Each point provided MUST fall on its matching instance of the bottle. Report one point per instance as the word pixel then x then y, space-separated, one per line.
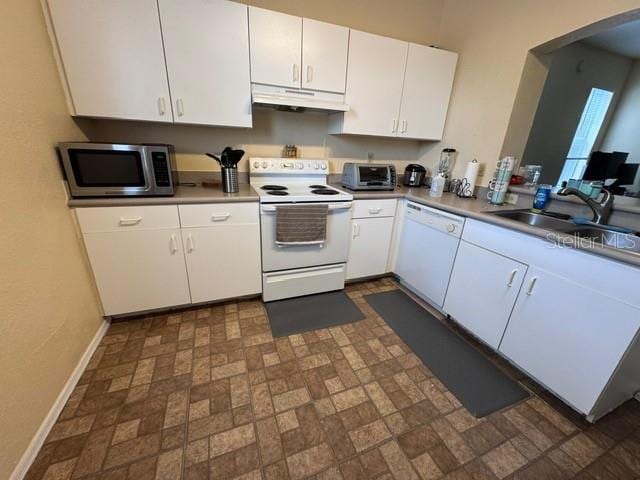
pixel 541 199
pixel 437 185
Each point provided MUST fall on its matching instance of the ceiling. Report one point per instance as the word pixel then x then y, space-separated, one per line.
pixel 623 39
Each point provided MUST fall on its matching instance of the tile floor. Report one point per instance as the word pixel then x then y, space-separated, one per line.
pixel 208 393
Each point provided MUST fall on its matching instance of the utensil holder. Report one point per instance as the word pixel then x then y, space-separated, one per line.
pixel 230 180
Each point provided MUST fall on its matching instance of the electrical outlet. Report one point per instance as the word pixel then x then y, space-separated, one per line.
pixel 511 198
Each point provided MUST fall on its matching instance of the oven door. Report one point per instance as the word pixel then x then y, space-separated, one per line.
pixel 375 176
pixel 105 169
pixel 334 250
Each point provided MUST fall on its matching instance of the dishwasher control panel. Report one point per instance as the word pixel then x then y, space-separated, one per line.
pixel 436 219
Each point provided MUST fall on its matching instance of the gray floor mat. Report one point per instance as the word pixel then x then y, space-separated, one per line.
pixel 297 315
pixel 476 382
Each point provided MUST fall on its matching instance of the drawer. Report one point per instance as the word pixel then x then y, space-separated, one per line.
pixel 112 219
pixel 206 215
pixel 374 208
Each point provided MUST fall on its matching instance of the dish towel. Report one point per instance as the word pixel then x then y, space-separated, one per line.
pixel 301 224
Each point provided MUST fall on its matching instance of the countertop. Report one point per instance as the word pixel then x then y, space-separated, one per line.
pixel 476 208
pixel 480 209
pixel 184 194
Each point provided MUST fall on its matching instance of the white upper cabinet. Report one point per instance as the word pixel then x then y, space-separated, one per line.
pixel 207 50
pixel 425 96
pixel 374 85
pixel 276 47
pixel 324 56
pixel 113 58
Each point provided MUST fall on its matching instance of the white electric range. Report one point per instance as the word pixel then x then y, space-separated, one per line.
pixel 296 270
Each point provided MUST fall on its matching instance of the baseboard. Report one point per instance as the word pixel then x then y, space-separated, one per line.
pixel 38 440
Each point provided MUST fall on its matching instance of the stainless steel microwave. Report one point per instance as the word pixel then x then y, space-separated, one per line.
pixel 118 170
pixel 368 176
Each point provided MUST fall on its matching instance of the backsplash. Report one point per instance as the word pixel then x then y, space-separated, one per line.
pixel 271 131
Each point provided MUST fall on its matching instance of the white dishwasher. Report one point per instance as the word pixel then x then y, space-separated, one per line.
pixel 427 250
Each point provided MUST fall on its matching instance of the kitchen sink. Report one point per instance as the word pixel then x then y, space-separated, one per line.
pixel 602 236
pixel 548 220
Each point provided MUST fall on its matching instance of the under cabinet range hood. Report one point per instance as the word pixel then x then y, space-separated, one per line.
pixel 297 99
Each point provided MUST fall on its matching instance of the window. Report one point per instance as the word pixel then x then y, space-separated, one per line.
pixel 588 128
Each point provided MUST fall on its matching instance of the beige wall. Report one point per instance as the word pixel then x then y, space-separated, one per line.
pixel 49 310
pixel 493 38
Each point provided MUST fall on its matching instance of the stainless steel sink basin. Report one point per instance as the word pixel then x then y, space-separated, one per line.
pixel 601 236
pixel 548 221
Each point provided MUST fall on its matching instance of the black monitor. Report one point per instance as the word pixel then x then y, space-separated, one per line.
pixel 627 173
pixel 603 165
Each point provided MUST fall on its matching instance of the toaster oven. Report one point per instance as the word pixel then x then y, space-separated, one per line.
pixel 368 176
pixel 118 170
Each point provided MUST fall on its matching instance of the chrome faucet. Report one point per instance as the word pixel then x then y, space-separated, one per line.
pixel 601 210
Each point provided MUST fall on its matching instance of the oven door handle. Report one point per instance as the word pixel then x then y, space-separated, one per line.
pixel 332 206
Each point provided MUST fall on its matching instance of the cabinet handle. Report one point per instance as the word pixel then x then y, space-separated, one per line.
pixel 173 245
pixel 512 277
pixel 125 222
pixel 309 73
pixel 394 125
pixel 190 244
pixel 375 211
pixel 355 230
pixel 405 124
pixel 220 217
pixel 180 107
pixel 295 72
pixel 162 108
pixel 532 284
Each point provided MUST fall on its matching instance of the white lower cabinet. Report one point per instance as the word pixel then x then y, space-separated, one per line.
pixel 371 233
pixel 369 250
pixel 223 261
pixel 152 257
pixel 138 270
pixel 569 337
pixel 482 291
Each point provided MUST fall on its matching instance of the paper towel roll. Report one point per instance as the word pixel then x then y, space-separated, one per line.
pixel 471 175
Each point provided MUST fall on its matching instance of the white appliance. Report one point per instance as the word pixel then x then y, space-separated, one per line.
pixel 296 270
pixel 297 99
pixel 427 250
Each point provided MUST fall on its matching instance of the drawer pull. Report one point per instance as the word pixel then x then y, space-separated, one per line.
pixel 512 278
pixel 126 222
pixel 375 211
pixel 532 284
pixel 220 217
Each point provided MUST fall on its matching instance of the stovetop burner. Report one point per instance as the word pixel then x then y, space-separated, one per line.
pixel 273 187
pixel 324 191
pixel 277 192
pixel 318 187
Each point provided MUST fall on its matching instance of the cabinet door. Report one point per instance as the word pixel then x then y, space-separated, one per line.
pixel 482 291
pixel 223 261
pixel 374 84
pixel 207 49
pixel 568 337
pixel 138 270
pixel 113 58
pixel 369 250
pixel 324 56
pixel 276 47
pixel 427 87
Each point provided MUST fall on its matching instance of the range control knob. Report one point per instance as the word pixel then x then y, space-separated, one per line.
pixel 316 165
pixel 299 165
pixel 265 164
pixel 324 165
pixel 256 164
pixel 451 228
